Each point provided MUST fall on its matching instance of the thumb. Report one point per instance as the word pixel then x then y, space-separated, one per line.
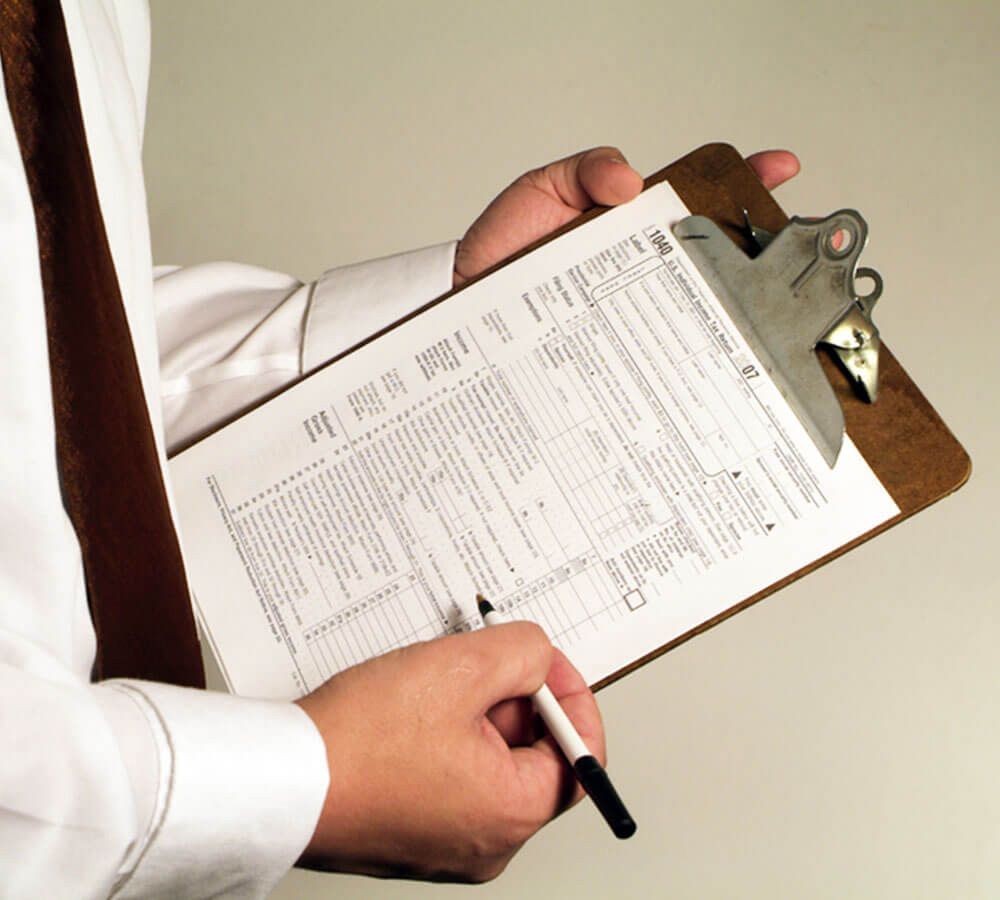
pixel 600 175
pixel 511 660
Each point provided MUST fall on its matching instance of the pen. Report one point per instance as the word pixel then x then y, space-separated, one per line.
pixel 589 772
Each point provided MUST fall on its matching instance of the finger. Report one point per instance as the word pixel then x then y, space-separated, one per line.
pixel 502 662
pixel 516 721
pixel 520 725
pixel 547 782
pixel 577 699
pixel 774 167
pixel 600 175
pixel 564 678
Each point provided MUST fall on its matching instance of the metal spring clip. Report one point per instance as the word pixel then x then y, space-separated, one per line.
pixel 798 292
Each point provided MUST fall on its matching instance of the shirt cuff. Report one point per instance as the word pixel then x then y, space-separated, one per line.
pixel 238 788
pixel 351 303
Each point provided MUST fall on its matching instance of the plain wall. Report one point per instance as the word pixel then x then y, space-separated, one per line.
pixel 840 739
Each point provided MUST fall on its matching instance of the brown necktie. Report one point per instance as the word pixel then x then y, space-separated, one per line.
pixel 110 476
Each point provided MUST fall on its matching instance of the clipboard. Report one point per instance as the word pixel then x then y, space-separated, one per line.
pixel 901 436
pixel 923 462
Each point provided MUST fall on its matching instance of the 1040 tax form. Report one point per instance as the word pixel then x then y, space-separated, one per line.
pixel 583 437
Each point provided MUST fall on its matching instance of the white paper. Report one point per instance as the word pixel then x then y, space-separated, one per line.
pixel 583 437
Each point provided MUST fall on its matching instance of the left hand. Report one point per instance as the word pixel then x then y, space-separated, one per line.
pixel 542 200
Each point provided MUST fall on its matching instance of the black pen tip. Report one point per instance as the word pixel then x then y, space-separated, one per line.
pixel 484 605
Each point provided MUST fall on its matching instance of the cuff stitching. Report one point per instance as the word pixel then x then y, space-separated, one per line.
pixel 165 787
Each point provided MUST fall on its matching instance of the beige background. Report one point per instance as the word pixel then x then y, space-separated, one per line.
pixel 842 738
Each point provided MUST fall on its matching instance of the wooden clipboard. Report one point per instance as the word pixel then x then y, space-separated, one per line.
pixel 901 436
pixel 903 439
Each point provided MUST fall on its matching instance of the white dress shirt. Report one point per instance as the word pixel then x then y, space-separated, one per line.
pixel 129 787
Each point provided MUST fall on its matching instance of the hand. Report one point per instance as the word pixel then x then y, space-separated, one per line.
pixel 436 769
pixel 542 200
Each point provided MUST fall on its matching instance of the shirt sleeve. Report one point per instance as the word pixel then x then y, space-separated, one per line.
pixel 228 789
pixel 231 335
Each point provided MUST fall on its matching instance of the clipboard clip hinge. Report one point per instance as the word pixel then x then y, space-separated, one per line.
pixel 799 291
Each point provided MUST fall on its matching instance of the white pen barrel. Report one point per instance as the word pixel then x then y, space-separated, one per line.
pixel 589 772
pixel 559 725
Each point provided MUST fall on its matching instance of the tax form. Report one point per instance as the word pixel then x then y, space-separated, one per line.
pixel 583 437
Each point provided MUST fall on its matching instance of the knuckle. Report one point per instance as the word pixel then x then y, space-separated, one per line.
pixel 492 870
pixel 517 823
pixel 535 651
pixel 537 179
pixel 534 640
pixel 468 663
pixel 488 854
pixel 519 831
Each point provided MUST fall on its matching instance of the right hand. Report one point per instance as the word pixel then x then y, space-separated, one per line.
pixel 436 769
